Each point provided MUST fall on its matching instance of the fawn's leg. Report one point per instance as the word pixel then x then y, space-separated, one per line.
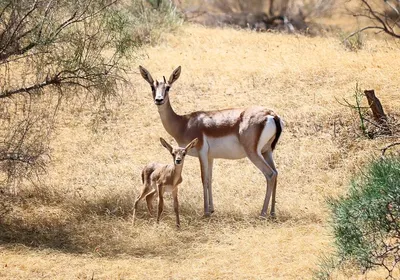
pixel 176 206
pixel 160 202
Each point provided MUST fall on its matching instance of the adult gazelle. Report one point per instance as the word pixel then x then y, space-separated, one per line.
pixel 230 133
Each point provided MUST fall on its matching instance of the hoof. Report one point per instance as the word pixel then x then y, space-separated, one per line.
pixel 273 216
pixel 263 217
pixel 207 215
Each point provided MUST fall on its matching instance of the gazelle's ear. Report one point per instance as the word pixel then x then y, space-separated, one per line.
pixel 174 76
pixel 166 145
pixel 146 75
pixel 191 144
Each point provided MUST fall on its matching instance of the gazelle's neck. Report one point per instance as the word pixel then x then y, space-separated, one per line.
pixel 177 173
pixel 172 122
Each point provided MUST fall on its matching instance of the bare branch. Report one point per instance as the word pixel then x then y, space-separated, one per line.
pixel 17 157
pixel 383 21
pixel 53 81
pixel 389 146
pixel 16 29
pixel 361 30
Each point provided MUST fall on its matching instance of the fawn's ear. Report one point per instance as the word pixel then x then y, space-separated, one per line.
pixel 191 144
pixel 175 75
pixel 146 75
pixel 166 145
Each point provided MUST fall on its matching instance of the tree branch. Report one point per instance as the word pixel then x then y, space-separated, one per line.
pixel 53 81
pixel 382 19
pixel 387 147
pixel 17 157
pixel 361 30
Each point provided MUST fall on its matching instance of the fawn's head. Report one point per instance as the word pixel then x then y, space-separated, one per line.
pixel 160 90
pixel 178 153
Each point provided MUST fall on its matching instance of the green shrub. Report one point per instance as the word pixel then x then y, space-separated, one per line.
pixel 353 43
pixel 148 23
pixel 366 222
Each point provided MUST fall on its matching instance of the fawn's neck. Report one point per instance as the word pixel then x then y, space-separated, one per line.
pixel 177 172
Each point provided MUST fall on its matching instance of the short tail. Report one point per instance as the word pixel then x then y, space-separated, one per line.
pixel 278 131
pixel 143 176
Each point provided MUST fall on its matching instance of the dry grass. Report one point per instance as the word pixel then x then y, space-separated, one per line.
pixel 79 225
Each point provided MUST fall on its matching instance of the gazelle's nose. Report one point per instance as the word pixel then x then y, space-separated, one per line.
pixel 178 161
pixel 159 101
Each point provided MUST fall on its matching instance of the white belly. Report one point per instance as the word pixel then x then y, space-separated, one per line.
pixel 227 147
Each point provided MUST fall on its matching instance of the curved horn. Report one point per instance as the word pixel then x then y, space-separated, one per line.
pixel 165 81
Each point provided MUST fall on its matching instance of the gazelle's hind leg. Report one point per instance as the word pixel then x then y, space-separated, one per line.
pixel 149 199
pixel 146 190
pixel 254 139
pixel 210 196
pixel 269 159
pixel 270 176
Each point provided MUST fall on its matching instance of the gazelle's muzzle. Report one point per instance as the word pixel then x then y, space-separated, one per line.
pixel 159 97
pixel 159 101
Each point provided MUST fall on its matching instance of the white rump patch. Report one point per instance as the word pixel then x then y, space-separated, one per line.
pixel 267 134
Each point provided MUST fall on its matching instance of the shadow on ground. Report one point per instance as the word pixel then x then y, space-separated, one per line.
pixel 95 228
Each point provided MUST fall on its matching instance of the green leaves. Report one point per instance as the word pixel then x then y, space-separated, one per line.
pixel 366 222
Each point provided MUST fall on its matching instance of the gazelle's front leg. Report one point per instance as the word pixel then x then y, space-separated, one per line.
pixel 205 178
pixel 160 202
pixel 176 206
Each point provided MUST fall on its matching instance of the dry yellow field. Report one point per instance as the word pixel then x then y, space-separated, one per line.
pixel 79 225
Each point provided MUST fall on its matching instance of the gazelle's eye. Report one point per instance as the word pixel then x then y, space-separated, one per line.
pixel 167 89
pixel 184 154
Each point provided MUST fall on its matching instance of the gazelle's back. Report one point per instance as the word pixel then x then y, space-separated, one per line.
pixel 148 170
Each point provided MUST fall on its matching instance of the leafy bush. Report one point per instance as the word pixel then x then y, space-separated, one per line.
pixel 54 50
pixel 354 43
pixel 366 222
pixel 149 23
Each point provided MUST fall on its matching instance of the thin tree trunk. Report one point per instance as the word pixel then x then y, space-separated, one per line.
pixel 376 106
pixel 377 109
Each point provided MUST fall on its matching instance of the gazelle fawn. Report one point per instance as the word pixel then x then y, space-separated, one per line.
pixel 160 178
pixel 232 133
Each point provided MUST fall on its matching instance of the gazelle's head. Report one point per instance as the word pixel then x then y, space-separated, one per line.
pixel 178 153
pixel 160 89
